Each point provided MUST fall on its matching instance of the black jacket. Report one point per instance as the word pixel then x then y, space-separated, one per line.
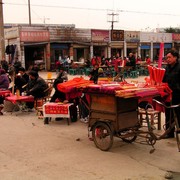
pixel 172 77
pixel 37 87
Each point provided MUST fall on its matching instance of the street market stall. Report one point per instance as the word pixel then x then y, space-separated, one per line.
pixel 114 112
pixel 114 107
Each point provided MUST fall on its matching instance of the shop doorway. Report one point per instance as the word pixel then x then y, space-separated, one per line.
pixel 34 56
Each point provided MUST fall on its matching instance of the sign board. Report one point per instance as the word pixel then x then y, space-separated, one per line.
pixel 34 36
pixel 176 37
pixel 132 36
pixel 11 33
pixel 155 37
pixel 117 35
pixel 100 35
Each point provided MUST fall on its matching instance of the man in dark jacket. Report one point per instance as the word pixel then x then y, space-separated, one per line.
pixel 36 85
pixel 23 73
pixel 94 74
pixel 172 77
pixel 132 61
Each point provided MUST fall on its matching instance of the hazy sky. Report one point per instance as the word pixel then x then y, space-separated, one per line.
pixel 132 14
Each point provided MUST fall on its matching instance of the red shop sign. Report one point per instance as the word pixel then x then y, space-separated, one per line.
pixel 34 36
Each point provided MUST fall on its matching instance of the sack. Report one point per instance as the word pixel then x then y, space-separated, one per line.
pixel 9 106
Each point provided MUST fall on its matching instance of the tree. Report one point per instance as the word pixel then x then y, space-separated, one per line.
pixel 172 30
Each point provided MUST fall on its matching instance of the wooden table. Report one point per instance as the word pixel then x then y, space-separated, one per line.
pixel 19 100
pixel 14 99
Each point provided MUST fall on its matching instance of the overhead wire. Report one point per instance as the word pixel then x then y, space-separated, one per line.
pixel 92 9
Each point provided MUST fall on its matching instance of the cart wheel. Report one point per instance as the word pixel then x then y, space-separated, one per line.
pixel 150 140
pixel 129 138
pixel 102 136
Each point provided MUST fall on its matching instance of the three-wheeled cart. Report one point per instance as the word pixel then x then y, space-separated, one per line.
pixel 112 116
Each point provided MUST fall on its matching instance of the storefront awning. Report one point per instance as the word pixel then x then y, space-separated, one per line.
pixel 35 44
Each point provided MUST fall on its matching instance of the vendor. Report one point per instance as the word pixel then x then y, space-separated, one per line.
pixel 62 77
pixel 94 74
pixel 172 77
pixel 36 87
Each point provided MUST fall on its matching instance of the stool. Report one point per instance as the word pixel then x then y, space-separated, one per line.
pixel 87 71
pixel 72 71
pixel 80 71
pixel 133 74
pixel 146 72
pixel 154 116
pixel 140 71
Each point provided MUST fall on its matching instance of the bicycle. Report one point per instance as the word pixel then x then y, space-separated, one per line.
pixel 151 137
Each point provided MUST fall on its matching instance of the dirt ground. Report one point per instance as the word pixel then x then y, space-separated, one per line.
pixel 31 150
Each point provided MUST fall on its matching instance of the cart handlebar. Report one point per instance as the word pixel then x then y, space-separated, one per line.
pixel 168 107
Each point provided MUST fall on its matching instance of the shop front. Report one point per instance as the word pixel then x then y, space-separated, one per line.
pixel 176 41
pixel 132 39
pixel 34 55
pixel 59 52
pixel 81 51
pixel 150 44
pixel 12 45
pixel 117 43
pixel 35 44
pixel 117 48
pixel 145 50
pixel 100 43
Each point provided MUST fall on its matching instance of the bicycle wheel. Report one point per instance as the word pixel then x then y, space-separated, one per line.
pixel 102 136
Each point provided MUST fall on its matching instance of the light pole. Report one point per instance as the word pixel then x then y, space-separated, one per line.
pixel 2 43
pixel 29 8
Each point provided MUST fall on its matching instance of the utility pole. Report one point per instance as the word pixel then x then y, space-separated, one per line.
pixel 29 8
pixel 113 19
pixel 2 43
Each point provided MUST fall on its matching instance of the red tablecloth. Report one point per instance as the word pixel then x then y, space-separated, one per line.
pixel 4 92
pixel 15 99
pixel 52 109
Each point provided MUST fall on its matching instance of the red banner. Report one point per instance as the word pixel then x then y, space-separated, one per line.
pixel 58 109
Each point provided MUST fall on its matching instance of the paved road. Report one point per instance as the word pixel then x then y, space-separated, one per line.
pixel 31 150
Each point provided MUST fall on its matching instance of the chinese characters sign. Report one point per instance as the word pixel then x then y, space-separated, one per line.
pixel 132 36
pixel 117 35
pixel 34 36
pixel 56 109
